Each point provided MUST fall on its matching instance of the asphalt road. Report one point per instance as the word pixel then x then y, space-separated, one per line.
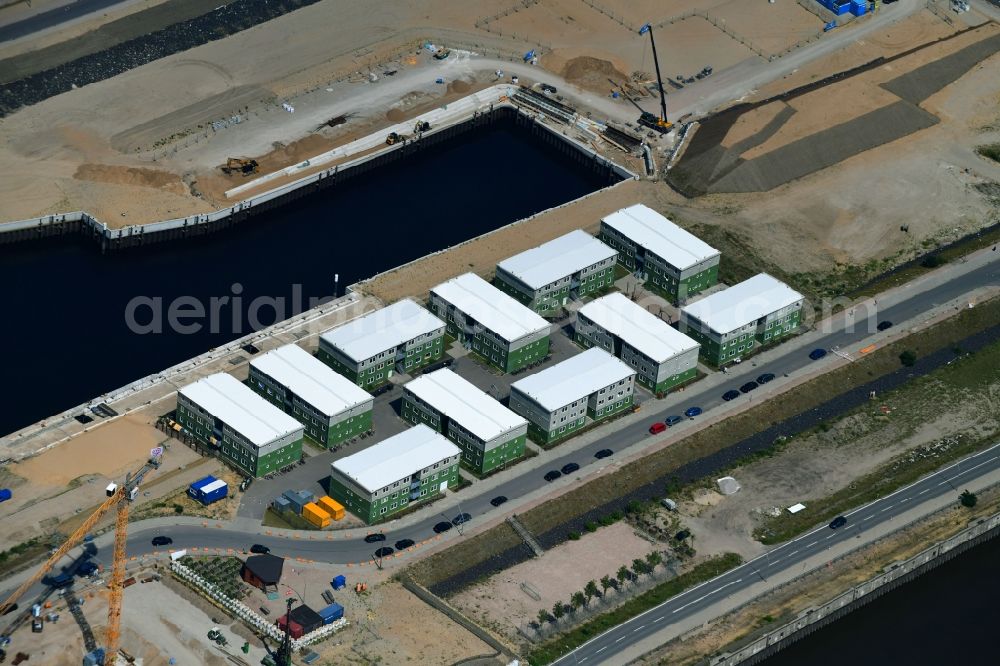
pixel 53 17
pixel 342 551
pixel 944 482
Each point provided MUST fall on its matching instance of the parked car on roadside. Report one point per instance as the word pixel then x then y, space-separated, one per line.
pixel 730 395
pixel 817 354
pixel 692 412
pixel 657 428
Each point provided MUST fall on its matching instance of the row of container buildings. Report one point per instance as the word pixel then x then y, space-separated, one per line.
pixel 291 394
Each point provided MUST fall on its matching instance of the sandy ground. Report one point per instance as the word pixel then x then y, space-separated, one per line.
pixel 921 28
pixel 482 254
pixel 110 451
pixel 58 488
pixel 823 108
pixel 772 29
pixel 752 122
pixel 500 604
pixel 77 151
pixel 840 215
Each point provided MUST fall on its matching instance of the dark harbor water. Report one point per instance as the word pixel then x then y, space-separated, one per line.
pixel 65 333
pixel 947 616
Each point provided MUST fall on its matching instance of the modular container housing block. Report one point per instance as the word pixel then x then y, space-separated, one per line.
pixel 662 356
pixel 558 400
pixel 489 434
pixel 252 434
pixel 491 323
pixel 386 478
pixel 734 323
pixel 547 277
pixel 402 337
pixel 329 406
pixel 667 257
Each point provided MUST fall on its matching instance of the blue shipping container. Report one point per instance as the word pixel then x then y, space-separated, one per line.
pixel 331 613
pixel 5 494
pixel 195 488
pixel 213 492
pixel 339 582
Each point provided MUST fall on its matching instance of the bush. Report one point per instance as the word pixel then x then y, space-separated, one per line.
pixel 178 508
pixel 574 536
pixel 908 358
pixel 635 506
pixel 931 261
pixel 591 526
pixel 968 499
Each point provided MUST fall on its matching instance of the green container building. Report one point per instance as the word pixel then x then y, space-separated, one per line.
pixel 489 434
pixel 412 467
pixel 489 322
pixel 671 260
pixel 329 406
pixel 251 434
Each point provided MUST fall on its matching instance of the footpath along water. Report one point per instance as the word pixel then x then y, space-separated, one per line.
pixel 65 338
pixel 946 616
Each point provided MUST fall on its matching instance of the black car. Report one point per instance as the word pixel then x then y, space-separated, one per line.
pixel 569 468
pixel 547 88
pixel 838 522
pixel 162 541
pixel 375 537
pixel 553 475
pixel 817 354
pixel 384 551
pixel 765 378
pixel 403 544
pixel 730 395
pixel 443 526
pixel 604 453
pixel 498 500
pixel 749 386
pixel 259 549
pixel 461 518
pixel 884 325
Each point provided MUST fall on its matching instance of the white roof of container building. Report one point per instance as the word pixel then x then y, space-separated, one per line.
pixel 213 486
pixel 638 327
pixel 574 378
pixel 462 402
pixel 556 259
pixel 743 303
pixel 396 458
pixel 380 330
pixel 226 398
pixel 311 379
pixel 491 307
pixel 648 229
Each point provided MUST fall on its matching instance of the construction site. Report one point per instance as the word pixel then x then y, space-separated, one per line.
pixel 787 136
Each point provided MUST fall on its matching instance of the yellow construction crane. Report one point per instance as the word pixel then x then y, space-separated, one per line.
pixel 119 498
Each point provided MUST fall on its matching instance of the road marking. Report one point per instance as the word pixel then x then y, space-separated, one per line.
pixel 810 545
pixel 620 639
pixel 662 617
pixel 708 594
pixel 868 517
pixel 792 553
pixel 885 509
pixel 638 629
pixel 924 491
pixel 903 499
pixel 602 649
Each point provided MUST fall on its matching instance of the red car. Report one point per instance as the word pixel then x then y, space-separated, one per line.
pixel 657 428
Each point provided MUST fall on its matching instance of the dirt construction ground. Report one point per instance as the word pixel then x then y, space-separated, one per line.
pixel 500 604
pixel 78 150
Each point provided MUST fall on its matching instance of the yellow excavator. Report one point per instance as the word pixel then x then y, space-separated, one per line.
pixel 240 165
